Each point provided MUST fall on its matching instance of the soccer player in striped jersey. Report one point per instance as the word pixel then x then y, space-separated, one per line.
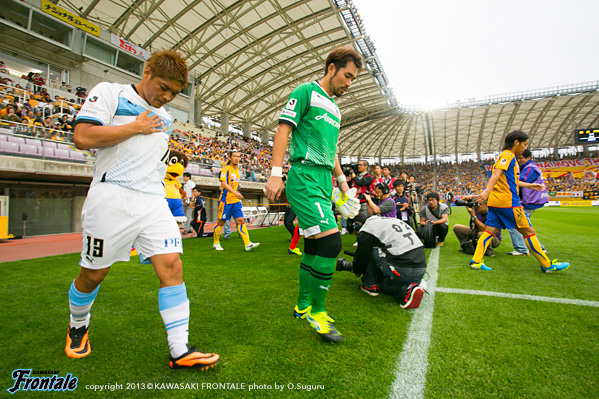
pixel 125 205
pixel 230 203
pixel 314 118
pixel 504 209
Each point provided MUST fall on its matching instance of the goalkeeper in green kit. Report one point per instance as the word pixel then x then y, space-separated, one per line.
pixel 314 118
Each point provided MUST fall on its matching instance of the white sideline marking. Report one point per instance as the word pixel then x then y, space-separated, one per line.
pixel 412 364
pixel 579 302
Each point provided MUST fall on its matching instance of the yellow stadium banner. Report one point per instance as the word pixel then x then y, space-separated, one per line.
pixel 585 168
pixel 70 18
pixel 576 203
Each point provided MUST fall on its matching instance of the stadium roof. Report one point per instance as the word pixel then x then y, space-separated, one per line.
pixel 249 54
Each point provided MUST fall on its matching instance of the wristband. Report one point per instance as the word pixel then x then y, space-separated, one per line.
pixel 341 179
pixel 276 171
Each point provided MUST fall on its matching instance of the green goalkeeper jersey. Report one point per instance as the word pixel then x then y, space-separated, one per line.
pixel 316 121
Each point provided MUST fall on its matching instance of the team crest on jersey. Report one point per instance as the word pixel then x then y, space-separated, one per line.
pixel 93 99
pixel 291 104
pixel 504 160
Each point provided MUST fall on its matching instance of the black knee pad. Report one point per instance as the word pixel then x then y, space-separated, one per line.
pixel 310 246
pixel 329 246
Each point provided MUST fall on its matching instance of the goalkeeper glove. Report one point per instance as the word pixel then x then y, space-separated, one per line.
pixel 349 206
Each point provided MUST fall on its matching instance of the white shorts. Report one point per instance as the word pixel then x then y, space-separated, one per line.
pixel 114 218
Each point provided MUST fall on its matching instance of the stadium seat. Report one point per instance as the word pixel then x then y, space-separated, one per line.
pixel 48 152
pixel 29 150
pixel 50 144
pixel 35 142
pixel 63 146
pixel 15 139
pixel 262 210
pixel 9 147
pixel 3 137
pixel 77 156
pixel 61 153
pixel 193 168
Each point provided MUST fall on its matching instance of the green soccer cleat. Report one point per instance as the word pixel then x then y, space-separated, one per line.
pixel 479 266
pixel 555 266
pixel 301 314
pixel 323 325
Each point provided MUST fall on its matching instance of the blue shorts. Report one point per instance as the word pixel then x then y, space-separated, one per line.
pixel 507 218
pixel 225 211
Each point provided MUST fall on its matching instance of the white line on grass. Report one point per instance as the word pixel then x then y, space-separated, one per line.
pixel 412 364
pixel 567 301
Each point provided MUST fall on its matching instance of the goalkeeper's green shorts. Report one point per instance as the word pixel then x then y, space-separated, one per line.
pixel 309 191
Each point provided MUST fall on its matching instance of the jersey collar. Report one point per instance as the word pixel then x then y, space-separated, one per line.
pixel 324 91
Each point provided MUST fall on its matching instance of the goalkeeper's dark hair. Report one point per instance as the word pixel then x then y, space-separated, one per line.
pixel 340 56
pixel 527 153
pixel 511 138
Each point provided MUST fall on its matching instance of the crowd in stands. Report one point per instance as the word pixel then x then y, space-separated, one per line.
pixel 28 107
pixel 210 148
pixel 570 183
pixel 463 178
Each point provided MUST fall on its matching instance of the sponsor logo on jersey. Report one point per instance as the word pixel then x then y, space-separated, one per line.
pixel 289 113
pixel 328 120
pixel 291 104
pixel 172 242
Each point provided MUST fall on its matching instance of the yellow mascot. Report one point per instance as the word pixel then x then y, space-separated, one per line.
pixel 177 162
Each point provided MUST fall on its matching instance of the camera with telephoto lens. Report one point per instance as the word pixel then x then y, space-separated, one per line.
pixel 467 203
pixel 348 170
pixel 414 187
pixel 344 265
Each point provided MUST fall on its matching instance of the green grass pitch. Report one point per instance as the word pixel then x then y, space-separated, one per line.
pixel 241 308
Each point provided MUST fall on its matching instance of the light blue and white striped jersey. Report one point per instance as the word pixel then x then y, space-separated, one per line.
pixel 138 163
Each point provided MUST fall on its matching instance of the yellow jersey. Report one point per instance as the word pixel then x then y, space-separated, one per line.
pixel 505 192
pixel 229 175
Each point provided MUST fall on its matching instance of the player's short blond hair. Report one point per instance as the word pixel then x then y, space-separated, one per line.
pixel 169 64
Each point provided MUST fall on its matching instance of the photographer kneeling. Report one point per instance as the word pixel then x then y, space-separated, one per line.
pixel 468 236
pixel 389 254
pixel 436 214
pixel 385 206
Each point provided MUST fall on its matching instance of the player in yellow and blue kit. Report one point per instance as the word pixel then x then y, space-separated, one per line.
pixel 230 203
pixel 505 211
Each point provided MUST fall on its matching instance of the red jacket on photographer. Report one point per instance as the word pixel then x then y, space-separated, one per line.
pixel 362 184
